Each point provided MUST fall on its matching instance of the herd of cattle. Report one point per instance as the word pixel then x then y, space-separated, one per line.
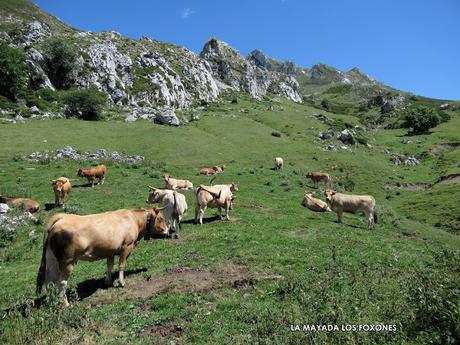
pixel 69 237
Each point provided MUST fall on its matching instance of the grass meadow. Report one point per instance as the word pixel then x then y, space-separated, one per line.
pixel 275 264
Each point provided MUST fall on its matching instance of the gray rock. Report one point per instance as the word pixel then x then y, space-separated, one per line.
pixel 167 116
pixel 194 117
pixel 34 110
pixel 131 117
pixel 444 106
pixel 4 208
pixel 347 137
pixel 326 135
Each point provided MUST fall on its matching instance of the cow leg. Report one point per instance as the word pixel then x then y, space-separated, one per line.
pixel 122 265
pixel 201 214
pixel 102 179
pixel 226 213
pixel 92 182
pixel 370 220
pixel 108 278
pixel 64 273
pixel 220 213
pixel 339 216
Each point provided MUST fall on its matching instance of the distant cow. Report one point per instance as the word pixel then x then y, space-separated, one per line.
pixel 92 173
pixel 217 196
pixel 174 204
pixel 208 171
pixel 219 168
pixel 172 183
pixel 340 203
pixel 320 177
pixel 315 204
pixel 27 204
pixel 69 238
pixel 62 188
pixel 279 163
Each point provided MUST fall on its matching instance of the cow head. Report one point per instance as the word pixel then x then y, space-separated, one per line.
pixel 158 223
pixel 80 172
pixel 308 175
pixel 329 193
pixel 166 177
pixel 233 187
pixel 154 195
pixel 3 199
pixel 222 167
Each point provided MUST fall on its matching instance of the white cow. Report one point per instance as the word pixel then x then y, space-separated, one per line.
pixel 315 204
pixel 340 203
pixel 218 196
pixel 174 203
pixel 279 163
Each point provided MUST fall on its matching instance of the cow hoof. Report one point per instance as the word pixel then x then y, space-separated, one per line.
pixel 121 285
pixel 176 236
pixel 108 283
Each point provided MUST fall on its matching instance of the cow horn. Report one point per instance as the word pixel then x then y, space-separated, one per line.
pixel 159 208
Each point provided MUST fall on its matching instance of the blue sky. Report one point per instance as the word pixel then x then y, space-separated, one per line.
pixel 412 45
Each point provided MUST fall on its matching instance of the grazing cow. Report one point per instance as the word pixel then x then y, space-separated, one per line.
pixel 174 203
pixel 62 188
pixel 69 238
pixel 315 204
pixel 319 177
pixel 217 196
pixel 172 183
pixel 279 163
pixel 92 173
pixel 27 204
pixel 340 203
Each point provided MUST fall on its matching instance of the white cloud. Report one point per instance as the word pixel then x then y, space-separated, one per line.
pixel 186 13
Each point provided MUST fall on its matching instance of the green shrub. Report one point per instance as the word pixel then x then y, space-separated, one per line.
pixel 420 119
pixel 13 71
pixel 325 103
pixel 443 116
pixel 60 62
pixel 85 104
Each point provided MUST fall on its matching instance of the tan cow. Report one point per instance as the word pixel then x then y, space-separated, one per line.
pixel 279 163
pixel 174 203
pixel 93 173
pixel 320 177
pixel 27 204
pixel 69 238
pixel 208 171
pixel 62 188
pixel 172 183
pixel 315 204
pixel 340 203
pixel 217 196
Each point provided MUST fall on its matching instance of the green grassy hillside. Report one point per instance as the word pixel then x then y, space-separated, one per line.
pixel 273 265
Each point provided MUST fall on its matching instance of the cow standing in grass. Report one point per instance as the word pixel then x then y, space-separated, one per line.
pixel 174 204
pixel 62 188
pixel 217 196
pixel 69 238
pixel 317 177
pixel 93 173
pixel 340 203
pixel 279 163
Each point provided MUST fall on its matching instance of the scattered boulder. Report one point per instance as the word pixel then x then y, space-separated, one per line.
pixel 444 106
pixel 167 116
pixel 34 110
pixel 131 117
pixel 4 208
pixel 194 117
pixel 347 137
pixel 403 160
pixel 326 135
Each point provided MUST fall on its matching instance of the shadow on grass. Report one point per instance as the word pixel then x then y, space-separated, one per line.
pixel 212 219
pixel 88 287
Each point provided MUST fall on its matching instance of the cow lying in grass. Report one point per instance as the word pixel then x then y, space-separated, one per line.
pixel 69 238
pixel 27 204
pixel 172 183
pixel 340 203
pixel 217 196
pixel 214 170
pixel 174 204
pixel 315 204
pixel 93 173
pixel 62 188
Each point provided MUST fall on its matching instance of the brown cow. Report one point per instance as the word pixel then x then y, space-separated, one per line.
pixel 214 170
pixel 320 177
pixel 173 183
pixel 340 203
pixel 92 173
pixel 27 204
pixel 69 238
pixel 62 188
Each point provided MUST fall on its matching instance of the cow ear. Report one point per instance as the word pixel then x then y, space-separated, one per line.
pixel 334 192
pixel 157 209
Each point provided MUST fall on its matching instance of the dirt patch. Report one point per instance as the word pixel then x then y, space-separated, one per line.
pixel 443 147
pixel 407 186
pixel 178 279
pixel 194 256
pixel 251 205
pixel 410 235
pixel 449 179
pixel 299 233
pixel 243 283
pixel 162 331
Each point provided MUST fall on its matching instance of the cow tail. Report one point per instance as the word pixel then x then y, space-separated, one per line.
pixel 375 217
pixel 42 269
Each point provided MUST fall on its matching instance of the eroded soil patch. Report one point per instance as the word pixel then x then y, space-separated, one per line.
pixel 407 186
pixel 449 179
pixel 162 331
pixel 443 147
pixel 178 279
